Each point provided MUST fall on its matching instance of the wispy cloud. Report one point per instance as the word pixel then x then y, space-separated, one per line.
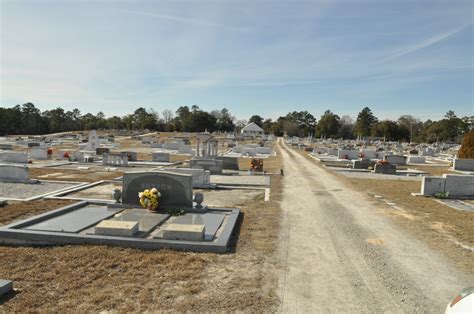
pixel 187 20
pixel 425 43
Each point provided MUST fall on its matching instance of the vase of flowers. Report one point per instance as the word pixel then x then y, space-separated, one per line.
pixel 149 199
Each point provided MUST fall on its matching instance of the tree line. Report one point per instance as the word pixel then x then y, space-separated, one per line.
pixel 27 119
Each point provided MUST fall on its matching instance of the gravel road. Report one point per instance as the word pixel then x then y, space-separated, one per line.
pixel 340 254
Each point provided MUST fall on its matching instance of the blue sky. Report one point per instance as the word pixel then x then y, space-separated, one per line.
pixel 252 57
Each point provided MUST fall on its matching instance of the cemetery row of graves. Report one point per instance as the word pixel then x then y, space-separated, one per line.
pixel 150 192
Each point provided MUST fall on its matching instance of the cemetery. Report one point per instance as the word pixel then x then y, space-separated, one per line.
pixel 204 193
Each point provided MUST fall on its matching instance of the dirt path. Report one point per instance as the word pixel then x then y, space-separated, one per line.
pixel 340 254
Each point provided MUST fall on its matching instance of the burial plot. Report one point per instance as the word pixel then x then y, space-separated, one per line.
pixel 13 157
pixel 397 160
pixel 15 173
pixel 463 164
pixel 160 156
pixel 176 189
pixel 214 166
pixel 229 163
pixel 201 177
pixel 40 153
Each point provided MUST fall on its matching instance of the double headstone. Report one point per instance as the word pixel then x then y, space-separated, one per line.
pixel 176 189
pixel 214 166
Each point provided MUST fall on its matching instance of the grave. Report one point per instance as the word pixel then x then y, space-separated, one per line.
pixel 116 160
pixel 214 166
pixel 13 157
pixel 463 164
pixel 416 159
pixel 347 154
pixel 228 163
pixel 456 185
pixel 160 156
pixel 201 177
pixel 398 160
pixel 6 286
pixel 40 153
pixel 132 156
pixel 15 174
pixel 361 164
pixel 102 150
pixel 93 142
pixel 176 189
pixel 385 169
pixel 6 146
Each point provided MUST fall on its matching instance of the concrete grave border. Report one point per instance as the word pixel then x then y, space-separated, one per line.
pixel 62 195
pixel 13 234
pixel 45 195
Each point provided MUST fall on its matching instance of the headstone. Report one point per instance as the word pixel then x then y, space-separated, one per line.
pixel 102 150
pixel 201 177
pixel 93 142
pixel 361 164
pixel 14 173
pixel 6 286
pixel 132 156
pixel 6 146
pixel 183 232
pixel 385 169
pixel 416 159
pixel 398 160
pixel 463 164
pixel 40 153
pixel 214 166
pixel 160 157
pixel 118 160
pixel 176 189
pixel 229 163
pixel 13 157
pixel 432 185
pixel 459 185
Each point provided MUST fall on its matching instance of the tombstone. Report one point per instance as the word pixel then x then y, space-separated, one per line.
pixel 14 173
pixel 13 157
pixel 368 153
pixel 33 144
pixel 265 150
pixel 93 141
pixel 385 169
pixel 156 145
pixel 463 164
pixel 398 160
pixel 118 160
pixel 160 156
pixel 361 164
pixel 432 185
pixel 201 138
pixel 176 189
pixel 6 146
pixel 132 156
pixel 229 163
pixel 347 154
pixel 78 156
pixel 459 185
pixel 102 150
pixel 416 159
pixel 214 166
pixel 40 153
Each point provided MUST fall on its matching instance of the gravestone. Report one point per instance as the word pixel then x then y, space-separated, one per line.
pixel 214 166
pixel 132 156
pixel 13 157
pixel 160 157
pixel 385 169
pixel 361 164
pixel 176 189
pixel 229 163
pixel 463 164
pixel 398 160
pixel 93 142
pixel 201 177
pixel 114 160
pixel 14 173
pixel 6 146
pixel 102 150
pixel 40 153
pixel 6 286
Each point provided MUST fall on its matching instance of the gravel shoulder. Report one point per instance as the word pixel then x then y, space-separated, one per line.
pixel 340 254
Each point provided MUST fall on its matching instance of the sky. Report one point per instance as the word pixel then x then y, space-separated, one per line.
pixel 252 57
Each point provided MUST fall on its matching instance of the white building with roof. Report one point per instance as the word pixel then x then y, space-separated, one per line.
pixel 252 129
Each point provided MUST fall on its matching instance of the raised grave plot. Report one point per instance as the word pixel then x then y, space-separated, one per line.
pixel 31 191
pixel 256 180
pixel 97 191
pixel 75 224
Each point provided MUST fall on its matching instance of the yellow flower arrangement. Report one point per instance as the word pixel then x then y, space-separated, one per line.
pixel 149 199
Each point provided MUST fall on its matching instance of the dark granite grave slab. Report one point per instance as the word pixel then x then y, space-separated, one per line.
pixel 6 286
pixel 75 221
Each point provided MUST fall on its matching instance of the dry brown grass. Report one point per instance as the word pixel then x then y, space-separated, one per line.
pixel 20 210
pixel 74 175
pixel 435 224
pixel 98 278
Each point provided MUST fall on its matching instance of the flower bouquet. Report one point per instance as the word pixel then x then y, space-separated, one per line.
pixel 149 199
